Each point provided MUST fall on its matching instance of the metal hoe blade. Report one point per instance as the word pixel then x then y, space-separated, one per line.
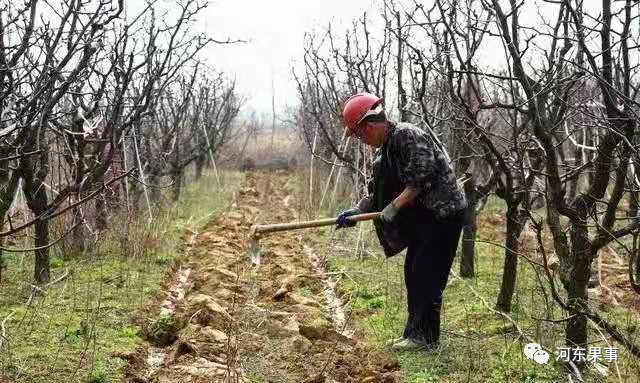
pixel 254 248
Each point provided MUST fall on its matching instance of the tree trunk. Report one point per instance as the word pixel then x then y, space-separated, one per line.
pixel 199 163
pixel 633 214
pixel 102 212
pixel 153 180
pixel 37 201
pixel 34 171
pixel 576 330
pixel 467 260
pixel 41 269
pixel 2 261
pixel 510 269
pixel 633 205
pixel 577 283
pixel 78 234
pixel 637 264
pixel 176 187
pixel 8 185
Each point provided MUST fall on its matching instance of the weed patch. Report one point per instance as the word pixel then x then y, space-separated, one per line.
pixel 162 331
pixel 74 329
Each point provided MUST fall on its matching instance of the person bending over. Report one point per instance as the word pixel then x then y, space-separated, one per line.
pixel 422 210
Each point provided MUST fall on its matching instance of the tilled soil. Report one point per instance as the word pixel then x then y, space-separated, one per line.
pixel 279 321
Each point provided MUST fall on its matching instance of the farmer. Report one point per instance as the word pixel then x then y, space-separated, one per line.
pixel 421 208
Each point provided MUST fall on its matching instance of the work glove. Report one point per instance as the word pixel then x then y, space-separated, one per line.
pixel 388 214
pixel 342 220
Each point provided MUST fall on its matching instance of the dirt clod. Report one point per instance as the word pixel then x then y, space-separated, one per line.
pixel 316 379
pixel 280 294
pixel 323 331
pixel 213 335
pixel 206 311
pixel 392 364
pixel 301 344
pixel 293 299
pixel 182 348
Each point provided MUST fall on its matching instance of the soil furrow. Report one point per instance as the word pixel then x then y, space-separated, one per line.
pixel 280 321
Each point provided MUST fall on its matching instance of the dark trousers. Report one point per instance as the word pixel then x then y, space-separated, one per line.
pixel 432 247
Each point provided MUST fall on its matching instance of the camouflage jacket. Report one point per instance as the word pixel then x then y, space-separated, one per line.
pixel 409 157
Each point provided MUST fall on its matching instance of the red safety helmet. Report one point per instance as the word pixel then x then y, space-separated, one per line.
pixel 357 108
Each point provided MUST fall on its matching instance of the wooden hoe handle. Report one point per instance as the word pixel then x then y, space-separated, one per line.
pixel 258 229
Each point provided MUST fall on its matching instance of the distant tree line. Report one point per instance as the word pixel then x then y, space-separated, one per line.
pixel 98 112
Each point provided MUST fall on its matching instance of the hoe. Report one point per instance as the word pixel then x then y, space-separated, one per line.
pixel 258 230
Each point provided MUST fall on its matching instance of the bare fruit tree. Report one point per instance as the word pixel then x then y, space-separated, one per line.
pixel 553 93
pixel 75 91
pixel 550 128
pixel 334 68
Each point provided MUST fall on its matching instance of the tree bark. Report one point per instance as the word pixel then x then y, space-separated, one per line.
pixel 637 267
pixel 176 187
pixel 199 164
pixel 467 259
pixel 41 269
pixel 77 235
pixel 153 180
pixel 510 269
pixel 2 260
pixel 37 201
pixel 102 211
pixel 578 281
pixel 34 172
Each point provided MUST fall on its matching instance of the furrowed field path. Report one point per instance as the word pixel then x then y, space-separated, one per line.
pixel 279 321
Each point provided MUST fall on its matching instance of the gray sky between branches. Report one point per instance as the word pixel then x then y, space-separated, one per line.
pixel 275 30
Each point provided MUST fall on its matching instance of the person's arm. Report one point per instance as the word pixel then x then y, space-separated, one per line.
pixel 407 196
pixel 415 163
pixel 389 213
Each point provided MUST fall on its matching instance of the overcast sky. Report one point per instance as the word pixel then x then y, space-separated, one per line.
pixel 275 31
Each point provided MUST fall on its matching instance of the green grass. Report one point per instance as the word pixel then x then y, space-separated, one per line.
pixel 74 330
pixel 161 330
pixel 478 345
